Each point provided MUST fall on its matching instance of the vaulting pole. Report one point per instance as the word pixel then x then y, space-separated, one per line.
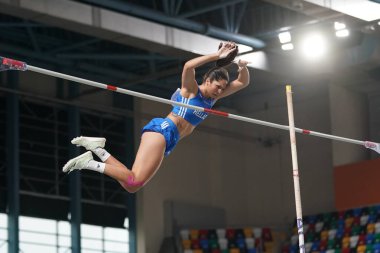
pixel 296 178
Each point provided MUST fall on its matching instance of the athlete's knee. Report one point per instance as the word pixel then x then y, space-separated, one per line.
pixel 132 189
pixel 132 185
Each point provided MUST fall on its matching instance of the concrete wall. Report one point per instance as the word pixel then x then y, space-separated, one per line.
pixel 349 117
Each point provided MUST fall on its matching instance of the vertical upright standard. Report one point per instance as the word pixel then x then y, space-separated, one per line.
pixel 296 180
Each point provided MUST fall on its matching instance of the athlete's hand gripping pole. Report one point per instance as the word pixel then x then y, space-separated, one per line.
pixel 10 64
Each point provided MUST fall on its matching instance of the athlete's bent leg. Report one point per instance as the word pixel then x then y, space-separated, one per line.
pixel 148 159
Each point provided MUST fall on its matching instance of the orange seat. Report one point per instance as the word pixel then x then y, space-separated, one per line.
pixel 194 234
pixel 186 244
pixel 370 228
pixel 346 242
pixel 348 222
pixel 361 249
pixel 324 235
pixel 268 247
pixel 248 232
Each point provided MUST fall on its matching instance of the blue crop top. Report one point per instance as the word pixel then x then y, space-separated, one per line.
pixel 194 117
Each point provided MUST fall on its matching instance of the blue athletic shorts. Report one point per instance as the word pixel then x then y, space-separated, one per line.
pixel 167 128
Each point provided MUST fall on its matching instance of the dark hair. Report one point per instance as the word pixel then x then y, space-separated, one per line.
pixel 217 74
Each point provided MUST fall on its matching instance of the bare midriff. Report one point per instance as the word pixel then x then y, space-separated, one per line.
pixel 183 126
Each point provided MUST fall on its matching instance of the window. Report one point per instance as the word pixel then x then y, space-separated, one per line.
pixel 46 236
pixel 3 233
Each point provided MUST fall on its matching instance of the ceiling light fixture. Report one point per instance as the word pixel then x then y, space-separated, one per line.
pixel 284 37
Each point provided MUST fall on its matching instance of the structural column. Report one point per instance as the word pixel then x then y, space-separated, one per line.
pixel 374 120
pixel 13 163
pixel 131 199
pixel 349 118
pixel 75 176
pixel 126 102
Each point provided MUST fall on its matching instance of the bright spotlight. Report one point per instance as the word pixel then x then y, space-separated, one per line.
pixel 284 37
pixel 287 46
pixel 314 46
pixel 339 26
pixel 342 33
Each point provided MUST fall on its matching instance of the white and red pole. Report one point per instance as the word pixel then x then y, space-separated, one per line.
pixel 10 64
pixel 296 180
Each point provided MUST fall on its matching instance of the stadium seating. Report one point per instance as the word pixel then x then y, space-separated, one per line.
pixel 350 231
pixel 246 240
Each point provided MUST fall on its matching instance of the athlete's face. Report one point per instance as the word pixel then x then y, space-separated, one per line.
pixel 216 87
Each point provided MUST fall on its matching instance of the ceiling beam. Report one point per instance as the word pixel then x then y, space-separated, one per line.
pixel 74 46
pixel 187 25
pixel 114 56
pixel 209 8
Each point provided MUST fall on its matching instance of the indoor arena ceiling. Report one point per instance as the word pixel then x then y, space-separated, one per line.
pixel 142 69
